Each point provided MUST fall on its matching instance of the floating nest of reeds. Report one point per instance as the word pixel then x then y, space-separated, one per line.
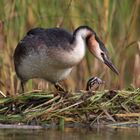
pixel 47 108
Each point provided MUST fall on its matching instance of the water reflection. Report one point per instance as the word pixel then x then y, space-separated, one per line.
pixel 70 134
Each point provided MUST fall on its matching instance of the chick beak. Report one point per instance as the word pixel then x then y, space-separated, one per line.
pixel 108 62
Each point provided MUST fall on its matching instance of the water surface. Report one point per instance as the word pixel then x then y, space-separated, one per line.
pixel 71 134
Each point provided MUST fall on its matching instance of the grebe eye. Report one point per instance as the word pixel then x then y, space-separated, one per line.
pixel 102 54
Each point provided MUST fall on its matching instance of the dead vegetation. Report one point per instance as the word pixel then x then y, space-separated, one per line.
pixel 100 107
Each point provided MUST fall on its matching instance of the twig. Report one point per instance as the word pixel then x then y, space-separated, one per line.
pixel 2 94
pixel 109 116
pixel 128 115
pixel 46 103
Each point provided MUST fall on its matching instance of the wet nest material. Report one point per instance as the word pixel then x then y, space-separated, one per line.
pixel 91 108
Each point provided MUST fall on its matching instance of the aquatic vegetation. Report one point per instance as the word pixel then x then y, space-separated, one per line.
pixel 100 107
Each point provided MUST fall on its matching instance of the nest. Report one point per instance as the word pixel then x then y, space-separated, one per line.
pixel 47 108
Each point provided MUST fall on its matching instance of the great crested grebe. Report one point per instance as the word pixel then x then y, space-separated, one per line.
pixel 51 53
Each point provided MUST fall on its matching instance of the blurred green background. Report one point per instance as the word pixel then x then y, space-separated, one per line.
pixel 117 22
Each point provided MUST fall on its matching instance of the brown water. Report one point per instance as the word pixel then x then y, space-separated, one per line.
pixel 71 134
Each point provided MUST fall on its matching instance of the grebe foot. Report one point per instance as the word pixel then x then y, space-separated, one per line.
pixel 21 88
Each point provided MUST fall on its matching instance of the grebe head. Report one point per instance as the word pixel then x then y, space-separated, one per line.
pixel 98 49
pixel 95 45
